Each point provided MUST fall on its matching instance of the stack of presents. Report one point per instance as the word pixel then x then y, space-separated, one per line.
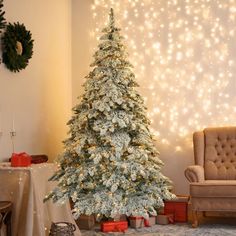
pixel 174 211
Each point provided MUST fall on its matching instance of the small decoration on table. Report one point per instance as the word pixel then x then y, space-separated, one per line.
pixel 114 226
pixel 20 159
pixel 13 134
pixel 62 229
pixel 17 47
pixel 38 159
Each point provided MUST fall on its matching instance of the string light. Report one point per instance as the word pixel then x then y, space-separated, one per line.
pixel 183 58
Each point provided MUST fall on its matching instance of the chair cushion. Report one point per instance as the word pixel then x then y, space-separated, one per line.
pixel 220 153
pixel 213 188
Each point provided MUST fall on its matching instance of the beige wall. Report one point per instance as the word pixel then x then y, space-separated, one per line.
pixel 82 45
pixel 38 97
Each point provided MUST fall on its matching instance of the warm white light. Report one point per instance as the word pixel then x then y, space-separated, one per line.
pixel 184 60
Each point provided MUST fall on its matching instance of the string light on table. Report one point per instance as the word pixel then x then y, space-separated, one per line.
pixel 184 57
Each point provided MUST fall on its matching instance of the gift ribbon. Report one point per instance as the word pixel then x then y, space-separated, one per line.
pixel 146 223
pixel 171 219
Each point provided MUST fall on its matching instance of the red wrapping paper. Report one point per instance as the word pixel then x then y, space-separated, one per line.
pixel 20 159
pixel 114 226
pixel 178 209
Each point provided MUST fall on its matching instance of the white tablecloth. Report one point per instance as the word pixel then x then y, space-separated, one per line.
pixel 26 187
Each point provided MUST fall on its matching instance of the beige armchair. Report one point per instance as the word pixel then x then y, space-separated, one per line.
pixel 213 177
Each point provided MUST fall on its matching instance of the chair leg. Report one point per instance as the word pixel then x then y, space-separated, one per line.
pixel 204 214
pixel 1 222
pixel 195 219
pixel 8 223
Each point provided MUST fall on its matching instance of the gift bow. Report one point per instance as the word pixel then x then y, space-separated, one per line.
pixel 21 154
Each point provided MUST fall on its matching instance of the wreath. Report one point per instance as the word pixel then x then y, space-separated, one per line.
pixel 2 19
pixel 17 47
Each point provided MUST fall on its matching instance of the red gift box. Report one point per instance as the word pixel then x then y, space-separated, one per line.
pixel 20 159
pixel 178 207
pixel 114 226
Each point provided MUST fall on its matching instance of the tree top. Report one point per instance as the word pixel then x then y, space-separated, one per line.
pixel 111 17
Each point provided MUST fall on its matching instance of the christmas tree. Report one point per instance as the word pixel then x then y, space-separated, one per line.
pixel 2 19
pixel 110 164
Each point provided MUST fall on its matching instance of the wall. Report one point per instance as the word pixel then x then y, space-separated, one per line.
pixel 183 54
pixel 81 45
pixel 39 97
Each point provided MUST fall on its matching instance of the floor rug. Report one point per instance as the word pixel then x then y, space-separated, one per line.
pixel 173 230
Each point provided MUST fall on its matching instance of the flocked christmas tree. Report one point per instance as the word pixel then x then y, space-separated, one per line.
pixel 110 164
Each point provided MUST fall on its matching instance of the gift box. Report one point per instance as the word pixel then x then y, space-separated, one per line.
pixel 86 222
pixel 178 207
pixel 20 159
pixel 150 222
pixel 165 219
pixel 136 222
pixel 114 226
pixel 37 159
pixel 139 221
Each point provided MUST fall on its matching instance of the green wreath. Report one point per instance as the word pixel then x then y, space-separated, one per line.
pixel 2 19
pixel 17 47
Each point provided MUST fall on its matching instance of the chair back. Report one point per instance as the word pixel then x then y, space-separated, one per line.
pixel 215 150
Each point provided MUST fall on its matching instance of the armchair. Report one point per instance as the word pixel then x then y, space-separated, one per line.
pixel 213 177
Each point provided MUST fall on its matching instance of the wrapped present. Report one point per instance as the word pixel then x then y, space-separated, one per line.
pixel 165 219
pixel 178 207
pixel 114 226
pixel 37 159
pixel 20 159
pixel 136 221
pixel 139 221
pixel 86 222
pixel 150 222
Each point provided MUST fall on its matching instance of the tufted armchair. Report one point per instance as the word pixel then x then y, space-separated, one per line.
pixel 213 177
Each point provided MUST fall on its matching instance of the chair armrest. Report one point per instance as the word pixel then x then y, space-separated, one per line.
pixel 195 173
